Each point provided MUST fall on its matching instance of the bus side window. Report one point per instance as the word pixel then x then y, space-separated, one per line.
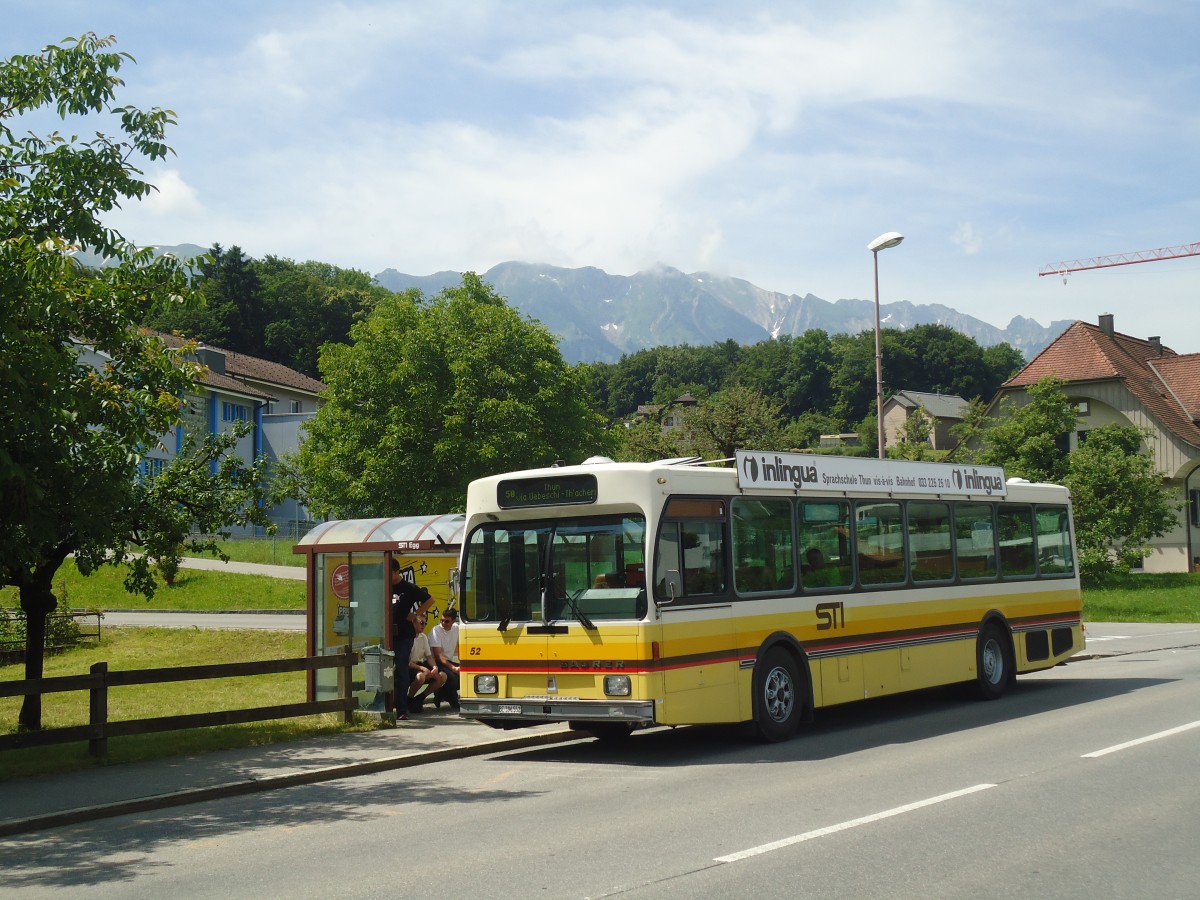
pixel 691 551
pixel 703 557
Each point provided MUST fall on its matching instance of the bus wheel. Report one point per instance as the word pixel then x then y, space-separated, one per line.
pixel 993 663
pixel 776 697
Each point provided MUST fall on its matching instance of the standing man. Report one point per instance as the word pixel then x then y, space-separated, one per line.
pixel 444 642
pixel 409 604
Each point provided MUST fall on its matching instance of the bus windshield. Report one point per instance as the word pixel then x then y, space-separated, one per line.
pixel 591 568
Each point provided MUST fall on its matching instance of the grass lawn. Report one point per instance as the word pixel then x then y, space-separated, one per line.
pixel 274 551
pixel 194 589
pixel 1173 597
pixel 149 648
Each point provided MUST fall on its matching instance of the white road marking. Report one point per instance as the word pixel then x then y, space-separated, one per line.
pixel 853 823
pixel 1142 740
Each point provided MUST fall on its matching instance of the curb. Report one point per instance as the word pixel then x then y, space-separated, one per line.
pixel 275 782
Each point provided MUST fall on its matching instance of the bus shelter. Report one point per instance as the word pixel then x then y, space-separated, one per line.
pixel 348 589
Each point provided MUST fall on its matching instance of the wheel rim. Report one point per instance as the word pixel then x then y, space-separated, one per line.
pixel 779 694
pixel 992 659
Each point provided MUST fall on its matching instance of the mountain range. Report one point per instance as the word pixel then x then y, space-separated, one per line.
pixel 600 317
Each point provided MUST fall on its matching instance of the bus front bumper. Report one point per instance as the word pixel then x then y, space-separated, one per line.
pixel 555 709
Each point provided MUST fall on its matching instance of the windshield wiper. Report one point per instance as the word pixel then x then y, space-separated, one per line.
pixel 583 620
pixel 571 601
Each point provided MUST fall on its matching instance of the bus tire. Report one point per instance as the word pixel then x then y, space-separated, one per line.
pixel 777 696
pixel 994 667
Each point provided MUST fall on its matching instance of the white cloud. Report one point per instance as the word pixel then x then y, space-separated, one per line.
pixel 173 197
pixel 966 238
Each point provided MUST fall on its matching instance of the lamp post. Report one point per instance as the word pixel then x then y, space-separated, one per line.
pixel 883 242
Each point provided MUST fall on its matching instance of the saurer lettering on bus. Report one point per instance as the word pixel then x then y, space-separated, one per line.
pixel 593 664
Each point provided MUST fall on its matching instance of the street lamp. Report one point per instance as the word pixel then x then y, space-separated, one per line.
pixel 883 242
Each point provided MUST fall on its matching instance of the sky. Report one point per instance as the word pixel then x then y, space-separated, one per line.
pixel 765 141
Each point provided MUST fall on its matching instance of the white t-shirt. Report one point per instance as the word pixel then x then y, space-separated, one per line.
pixel 420 651
pixel 447 639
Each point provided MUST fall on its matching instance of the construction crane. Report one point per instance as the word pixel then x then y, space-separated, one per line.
pixel 1066 267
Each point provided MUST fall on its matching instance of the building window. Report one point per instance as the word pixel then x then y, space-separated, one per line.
pixel 234 412
pixel 151 468
pixel 297 406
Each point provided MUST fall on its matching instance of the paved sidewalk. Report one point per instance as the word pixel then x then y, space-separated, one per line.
pixel 295 573
pixel 49 801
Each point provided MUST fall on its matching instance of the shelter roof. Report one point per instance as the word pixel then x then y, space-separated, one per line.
pixel 419 532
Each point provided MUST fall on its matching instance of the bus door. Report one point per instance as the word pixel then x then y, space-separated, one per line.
pixel 699 655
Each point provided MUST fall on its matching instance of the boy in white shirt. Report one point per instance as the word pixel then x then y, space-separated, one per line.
pixel 444 642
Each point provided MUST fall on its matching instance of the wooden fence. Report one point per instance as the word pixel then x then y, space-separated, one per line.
pixel 99 729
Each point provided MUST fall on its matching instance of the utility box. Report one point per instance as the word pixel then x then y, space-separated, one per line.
pixel 379 669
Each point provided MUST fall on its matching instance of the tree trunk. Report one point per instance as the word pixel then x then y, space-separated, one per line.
pixel 38 601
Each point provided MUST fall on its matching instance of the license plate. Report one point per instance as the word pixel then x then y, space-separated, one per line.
pixel 508 708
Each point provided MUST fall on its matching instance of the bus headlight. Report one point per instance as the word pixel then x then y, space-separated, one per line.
pixel 486 684
pixel 617 685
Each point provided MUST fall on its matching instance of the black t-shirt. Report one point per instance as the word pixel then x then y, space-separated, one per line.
pixel 406 598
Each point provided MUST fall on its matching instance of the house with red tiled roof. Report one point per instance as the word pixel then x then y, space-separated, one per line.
pixel 1115 378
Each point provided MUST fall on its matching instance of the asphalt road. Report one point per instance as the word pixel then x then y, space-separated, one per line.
pixel 1080 783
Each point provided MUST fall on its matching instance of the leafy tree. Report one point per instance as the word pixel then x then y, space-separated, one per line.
pixel 309 305
pixel 1003 361
pixel 86 391
pixel 804 432
pixel 736 418
pixel 233 294
pixel 968 433
pixel 631 383
pixel 934 359
pixel 204 491
pixel 645 441
pixel 684 369
pixel 1119 499
pixel 852 380
pixel 431 394
pixel 914 437
pixel 796 371
pixel 1027 438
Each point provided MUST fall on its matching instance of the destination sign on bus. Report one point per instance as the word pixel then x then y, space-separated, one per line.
pixel 850 474
pixel 565 490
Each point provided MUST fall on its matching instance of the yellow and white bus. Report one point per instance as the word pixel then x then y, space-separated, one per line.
pixel 616 596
